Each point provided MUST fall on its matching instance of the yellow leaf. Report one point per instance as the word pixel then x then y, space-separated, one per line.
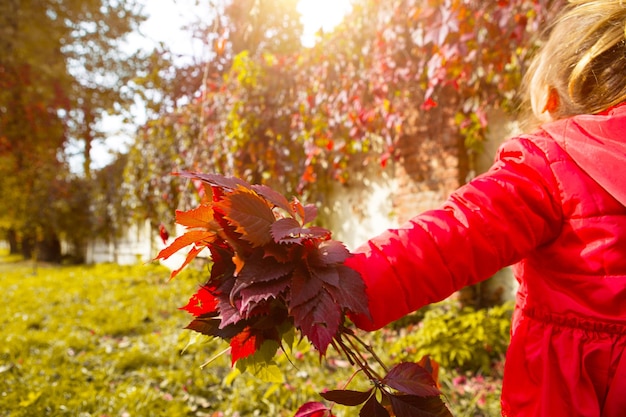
pixel 32 397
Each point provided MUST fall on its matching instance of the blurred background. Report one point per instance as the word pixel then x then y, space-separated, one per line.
pixel 372 110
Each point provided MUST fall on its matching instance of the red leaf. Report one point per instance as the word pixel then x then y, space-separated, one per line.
pixel 260 268
pixel 327 253
pixel 410 378
pixel 206 325
pixel 223 265
pixel 384 158
pixel 310 213
pixel 443 21
pixel 238 262
pixel 316 232
pixel 229 314
pixel 282 233
pixel 414 406
pixel 202 302
pixel 256 277
pixel 309 174
pixel 347 397
pixel 298 208
pixel 313 409
pixel 428 104
pixel 329 276
pixel 244 344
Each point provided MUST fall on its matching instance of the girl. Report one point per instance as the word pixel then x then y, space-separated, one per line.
pixel 554 206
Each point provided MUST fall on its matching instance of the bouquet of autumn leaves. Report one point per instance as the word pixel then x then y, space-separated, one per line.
pixel 272 272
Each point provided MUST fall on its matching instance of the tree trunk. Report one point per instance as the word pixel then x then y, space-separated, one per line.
pixel 49 249
pixel 14 245
pixel 28 245
pixel 89 119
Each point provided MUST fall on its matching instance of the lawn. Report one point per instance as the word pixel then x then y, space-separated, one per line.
pixel 94 341
pixel 109 340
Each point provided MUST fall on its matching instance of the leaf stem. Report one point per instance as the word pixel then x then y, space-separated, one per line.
pixel 369 349
pixel 354 355
pixel 215 357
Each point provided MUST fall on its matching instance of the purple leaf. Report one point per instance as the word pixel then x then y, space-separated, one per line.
pixel 260 292
pixel 273 197
pixel 350 291
pixel 286 230
pixel 304 286
pixel 347 397
pixel 216 180
pixel 310 213
pixel 414 406
pixel 257 269
pixel 318 319
pixel 330 276
pixel 411 378
pixel 373 408
pixel 333 252
pixel 209 325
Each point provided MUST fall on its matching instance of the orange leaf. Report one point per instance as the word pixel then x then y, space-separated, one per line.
pixel 196 236
pixel 201 216
pixel 251 215
pixel 239 263
pixel 432 367
pixel 190 257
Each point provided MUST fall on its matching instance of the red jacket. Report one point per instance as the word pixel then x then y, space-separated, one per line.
pixel 554 206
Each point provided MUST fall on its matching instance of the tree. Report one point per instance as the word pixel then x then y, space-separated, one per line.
pixel 260 26
pixel 297 119
pixel 61 69
pixel 194 100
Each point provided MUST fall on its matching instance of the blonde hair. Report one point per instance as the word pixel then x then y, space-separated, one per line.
pixel 583 60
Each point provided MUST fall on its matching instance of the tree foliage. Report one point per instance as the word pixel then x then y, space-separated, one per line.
pixel 300 120
pixel 61 69
pixel 185 130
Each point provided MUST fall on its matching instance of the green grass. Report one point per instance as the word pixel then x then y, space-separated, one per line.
pixel 95 341
pixel 109 341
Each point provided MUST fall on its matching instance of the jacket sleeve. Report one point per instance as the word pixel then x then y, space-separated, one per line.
pixel 487 224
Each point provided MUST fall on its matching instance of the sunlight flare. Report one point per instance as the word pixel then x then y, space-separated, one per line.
pixel 324 14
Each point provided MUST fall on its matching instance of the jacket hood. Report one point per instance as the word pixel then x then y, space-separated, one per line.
pixel 597 144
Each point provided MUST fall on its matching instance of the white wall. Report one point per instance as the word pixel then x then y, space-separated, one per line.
pixel 363 210
pixel 136 246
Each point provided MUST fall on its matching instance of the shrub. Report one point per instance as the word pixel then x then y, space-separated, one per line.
pixel 458 337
